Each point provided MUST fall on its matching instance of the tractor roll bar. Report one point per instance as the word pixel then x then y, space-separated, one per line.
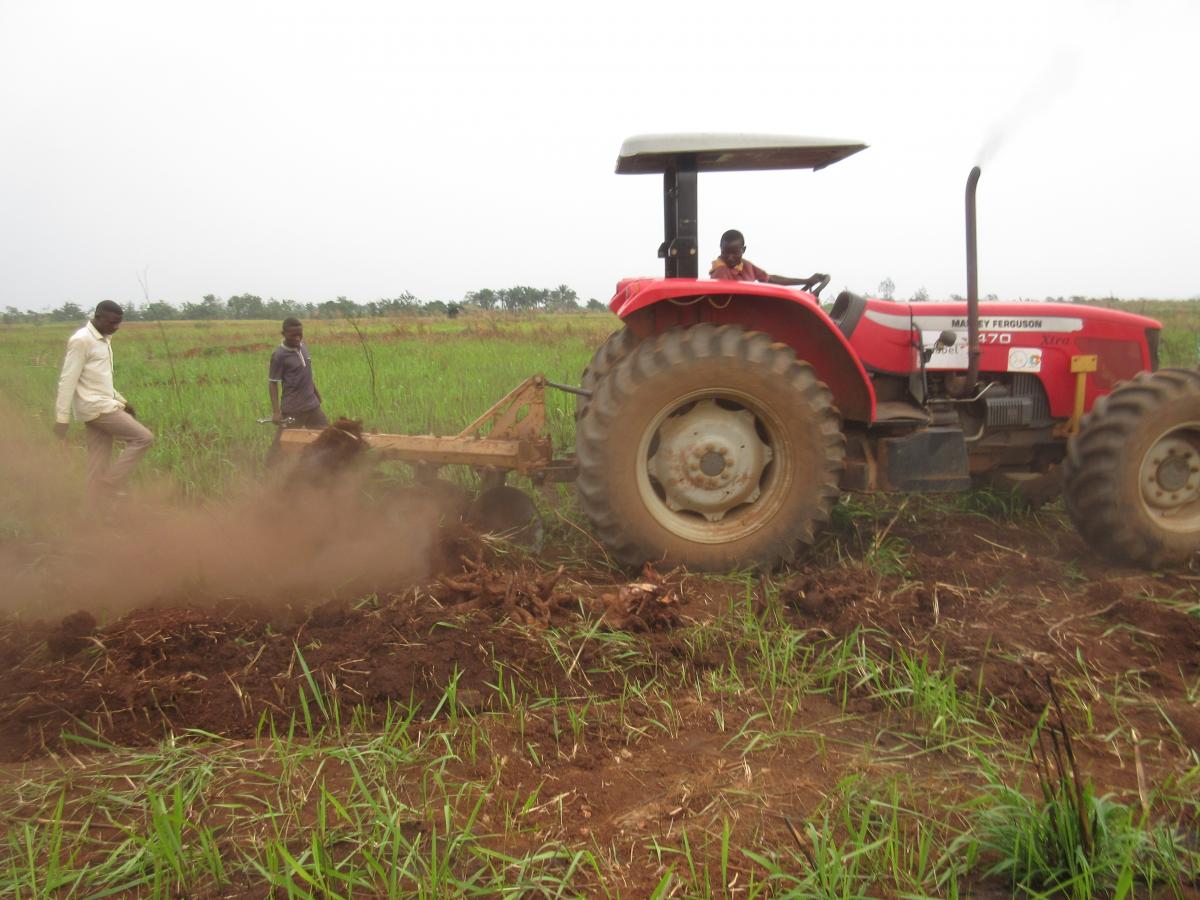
pixel 680 244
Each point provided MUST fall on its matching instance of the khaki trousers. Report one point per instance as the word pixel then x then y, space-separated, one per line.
pixel 102 471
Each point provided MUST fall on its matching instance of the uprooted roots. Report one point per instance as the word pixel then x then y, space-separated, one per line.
pixel 651 604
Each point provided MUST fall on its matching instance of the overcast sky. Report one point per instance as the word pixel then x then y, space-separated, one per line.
pixel 309 150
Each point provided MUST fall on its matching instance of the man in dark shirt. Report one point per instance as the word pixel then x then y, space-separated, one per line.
pixel 290 373
pixel 730 266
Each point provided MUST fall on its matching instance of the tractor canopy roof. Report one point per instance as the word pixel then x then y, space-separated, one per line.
pixel 650 153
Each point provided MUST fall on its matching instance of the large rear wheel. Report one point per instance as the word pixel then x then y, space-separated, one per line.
pixel 1132 473
pixel 615 348
pixel 712 447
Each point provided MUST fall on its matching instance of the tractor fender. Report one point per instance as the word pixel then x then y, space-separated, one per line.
pixel 650 306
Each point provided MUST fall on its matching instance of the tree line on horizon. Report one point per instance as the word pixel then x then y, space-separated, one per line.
pixel 519 298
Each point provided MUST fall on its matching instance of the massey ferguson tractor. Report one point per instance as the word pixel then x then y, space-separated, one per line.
pixel 725 418
pixel 719 426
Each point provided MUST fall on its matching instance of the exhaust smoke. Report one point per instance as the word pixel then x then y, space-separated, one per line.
pixel 1055 80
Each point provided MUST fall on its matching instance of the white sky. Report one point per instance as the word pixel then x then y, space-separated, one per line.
pixel 307 150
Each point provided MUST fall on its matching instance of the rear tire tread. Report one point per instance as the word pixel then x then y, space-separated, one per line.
pixel 678 347
pixel 615 348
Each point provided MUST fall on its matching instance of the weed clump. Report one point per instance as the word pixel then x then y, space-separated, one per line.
pixel 1067 840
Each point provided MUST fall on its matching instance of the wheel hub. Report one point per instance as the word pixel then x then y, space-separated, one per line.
pixel 712 463
pixel 709 460
pixel 1170 473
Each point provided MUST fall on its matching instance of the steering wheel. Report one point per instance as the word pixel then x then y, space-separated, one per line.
pixel 819 285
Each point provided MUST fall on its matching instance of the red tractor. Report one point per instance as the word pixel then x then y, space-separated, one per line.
pixel 725 419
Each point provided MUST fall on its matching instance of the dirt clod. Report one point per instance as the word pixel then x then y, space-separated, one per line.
pixel 335 449
pixel 71 635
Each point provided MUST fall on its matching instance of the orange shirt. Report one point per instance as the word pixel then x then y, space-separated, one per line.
pixel 743 271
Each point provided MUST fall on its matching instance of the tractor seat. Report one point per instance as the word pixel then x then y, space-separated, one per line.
pixel 847 311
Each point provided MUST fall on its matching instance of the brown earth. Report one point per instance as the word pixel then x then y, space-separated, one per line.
pixel 1005 603
pixel 222 668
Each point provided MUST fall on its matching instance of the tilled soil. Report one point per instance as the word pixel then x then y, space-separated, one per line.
pixel 1012 602
pixel 1005 604
pixel 226 669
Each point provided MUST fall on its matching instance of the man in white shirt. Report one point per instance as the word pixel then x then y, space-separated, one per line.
pixel 85 389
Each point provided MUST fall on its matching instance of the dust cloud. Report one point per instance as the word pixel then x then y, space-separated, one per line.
pixel 280 542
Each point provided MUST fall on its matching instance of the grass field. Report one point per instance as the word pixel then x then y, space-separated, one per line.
pixel 201 385
pixel 875 722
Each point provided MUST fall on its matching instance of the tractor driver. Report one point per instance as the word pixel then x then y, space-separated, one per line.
pixel 730 266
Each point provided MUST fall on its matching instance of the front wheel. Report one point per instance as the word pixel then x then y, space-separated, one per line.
pixel 1132 473
pixel 711 447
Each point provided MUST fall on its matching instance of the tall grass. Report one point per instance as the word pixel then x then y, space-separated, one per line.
pixel 200 385
pixel 201 389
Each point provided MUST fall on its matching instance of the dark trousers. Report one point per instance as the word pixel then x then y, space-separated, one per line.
pixel 310 418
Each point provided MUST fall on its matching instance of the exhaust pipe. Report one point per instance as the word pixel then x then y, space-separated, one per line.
pixel 972 287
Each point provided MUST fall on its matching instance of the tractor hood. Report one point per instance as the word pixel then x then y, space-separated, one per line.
pixel 1037 339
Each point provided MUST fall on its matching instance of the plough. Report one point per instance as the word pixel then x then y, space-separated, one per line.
pixel 509 437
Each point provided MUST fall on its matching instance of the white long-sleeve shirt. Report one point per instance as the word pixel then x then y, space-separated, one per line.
pixel 85 386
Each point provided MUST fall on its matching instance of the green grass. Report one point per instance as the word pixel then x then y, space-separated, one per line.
pixel 1038 846
pixel 921 791
pixel 200 385
pixel 306 819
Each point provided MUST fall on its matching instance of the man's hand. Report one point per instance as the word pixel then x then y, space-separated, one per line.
pixel 277 418
pixel 60 430
pixel 129 409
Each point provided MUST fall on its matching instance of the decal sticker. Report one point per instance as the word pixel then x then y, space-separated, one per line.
pixel 945 357
pixel 1043 324
pixel 1024 359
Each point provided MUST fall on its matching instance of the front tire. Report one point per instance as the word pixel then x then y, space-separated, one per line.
pixel 711 447
pixel 1132 473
